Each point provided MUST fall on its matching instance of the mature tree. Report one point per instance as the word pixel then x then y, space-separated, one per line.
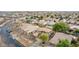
pixel 63 43
pixel 60 27
pixel 44 37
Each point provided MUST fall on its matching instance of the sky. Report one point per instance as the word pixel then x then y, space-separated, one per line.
pixel 39 5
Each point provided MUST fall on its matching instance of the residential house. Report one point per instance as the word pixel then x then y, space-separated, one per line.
pixel 28 27
pixel 73 27
pixel 55 39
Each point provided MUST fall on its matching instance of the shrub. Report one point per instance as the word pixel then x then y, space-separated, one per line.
pixel 78 39
pixel 51 16
pixel 63 43
pixel 73 41
pixel 41 17
pixel 44 37
pixel 60 27
pixel 76 32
